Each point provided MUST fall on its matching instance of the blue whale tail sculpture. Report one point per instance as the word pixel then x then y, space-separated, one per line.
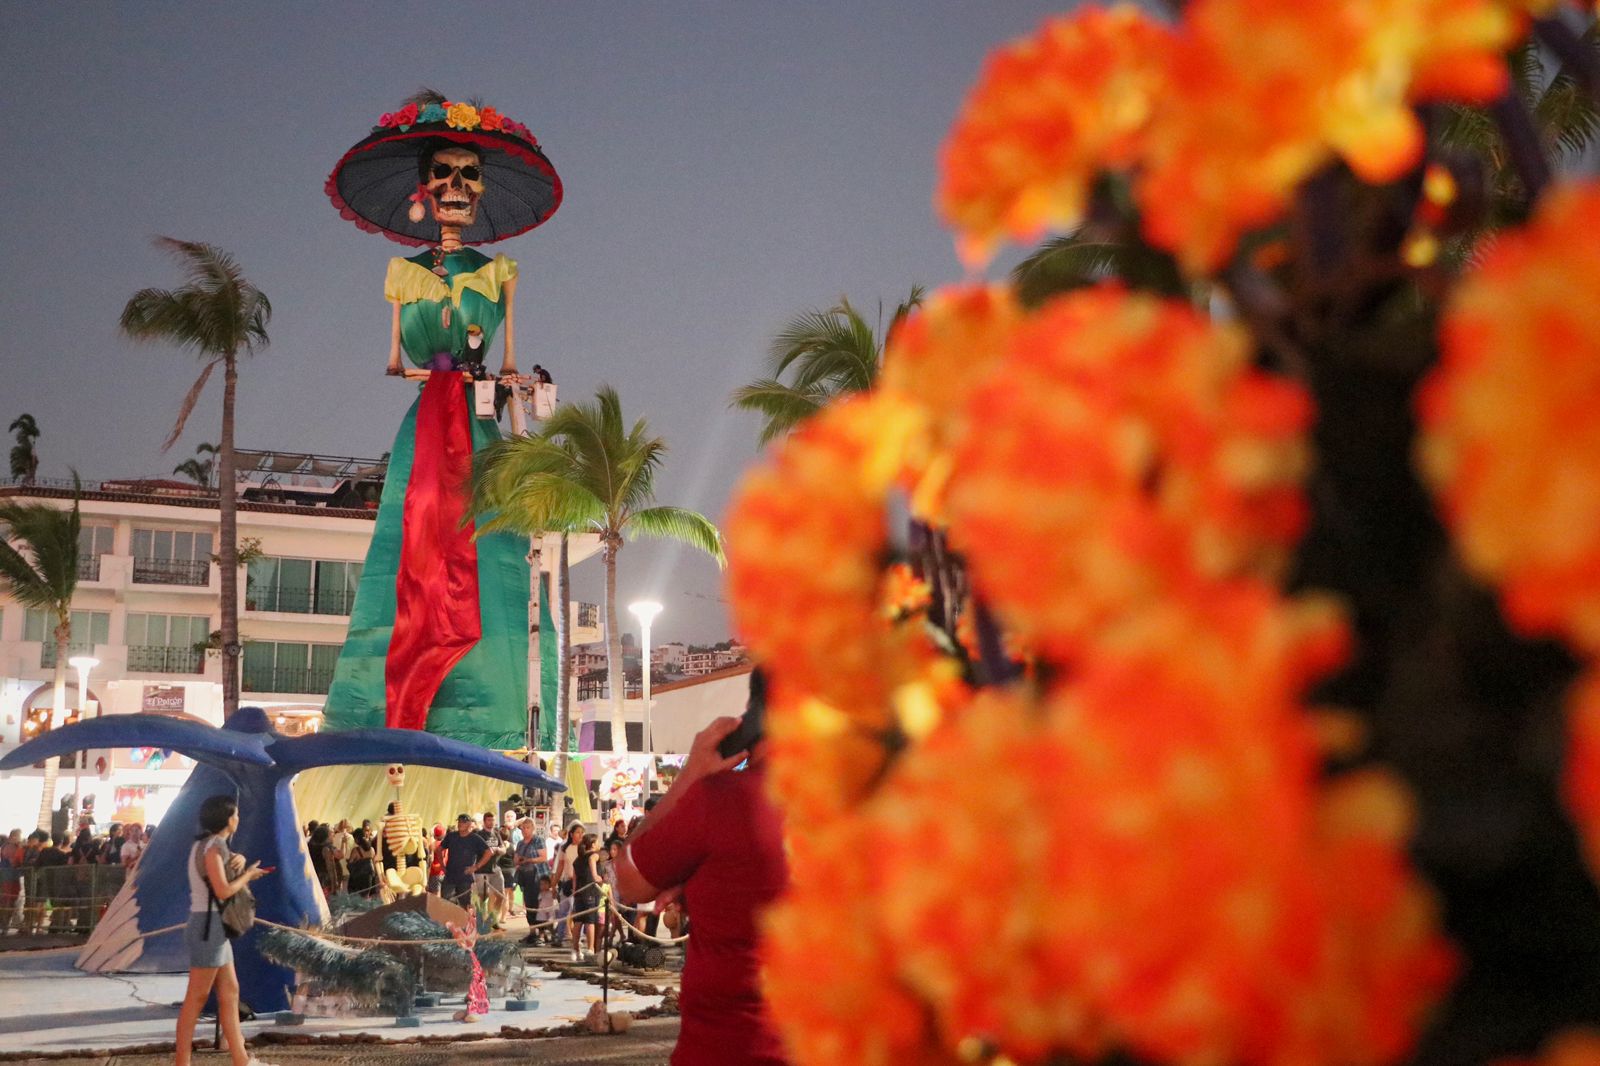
pixel 247 759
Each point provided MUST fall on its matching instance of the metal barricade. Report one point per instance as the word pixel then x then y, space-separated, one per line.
pixel 57 899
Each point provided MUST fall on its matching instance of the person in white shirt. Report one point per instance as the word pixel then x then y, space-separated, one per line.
pixel 132 845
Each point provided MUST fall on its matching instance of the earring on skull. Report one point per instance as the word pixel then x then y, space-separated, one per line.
pixel 418 209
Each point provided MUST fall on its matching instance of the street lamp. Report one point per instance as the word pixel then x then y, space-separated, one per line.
pixel 645 611
pixel 83 664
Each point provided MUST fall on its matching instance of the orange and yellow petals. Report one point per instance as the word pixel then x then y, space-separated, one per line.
pixel 827 975
pixel 953 339
pixel 1391 965
pixel 1509 444
pixel 1181 898
pixel 1262 94
pixel 1048 114
pixel 1124 451
pixel 1570 1047
pixel 904 594
pixel 806 535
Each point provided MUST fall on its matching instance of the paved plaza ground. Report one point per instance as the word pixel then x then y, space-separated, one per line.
pixel 57 1014
pixel 649 1042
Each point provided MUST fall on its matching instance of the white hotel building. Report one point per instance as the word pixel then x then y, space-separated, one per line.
pixel 148 601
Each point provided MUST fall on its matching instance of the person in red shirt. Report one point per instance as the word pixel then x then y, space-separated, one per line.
pixel 718 840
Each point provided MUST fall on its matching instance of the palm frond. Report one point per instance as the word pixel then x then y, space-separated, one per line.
pixel 43 572
pixel 781 407
pixel 524 485
pixel 24 426
pixel 679 524
pixel 22 459
pixel 1071 262
pixel 1567 116
pixel 191 398
pixel 218 312
pixel 1527 70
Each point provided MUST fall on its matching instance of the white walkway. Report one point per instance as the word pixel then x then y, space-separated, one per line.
pixel 47 1006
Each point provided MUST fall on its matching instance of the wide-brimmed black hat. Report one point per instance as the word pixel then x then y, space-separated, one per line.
pixel 375 183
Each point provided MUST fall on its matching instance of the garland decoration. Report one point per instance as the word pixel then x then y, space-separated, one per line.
pixel 1123 751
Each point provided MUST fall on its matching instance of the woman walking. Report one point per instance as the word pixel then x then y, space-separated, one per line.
pixel 210 954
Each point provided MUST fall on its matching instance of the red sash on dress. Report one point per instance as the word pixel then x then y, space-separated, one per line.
pixel 436 618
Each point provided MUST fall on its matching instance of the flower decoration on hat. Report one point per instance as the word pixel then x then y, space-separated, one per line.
pixel 374 183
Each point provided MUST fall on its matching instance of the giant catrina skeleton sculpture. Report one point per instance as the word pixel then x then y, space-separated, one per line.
pixel 440 619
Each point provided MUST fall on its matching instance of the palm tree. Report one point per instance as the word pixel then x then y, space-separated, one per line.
pixel 199 469
pixel 39 569
pixel 220 315
pixel 584 471
pixel 24 457
pixel 830 353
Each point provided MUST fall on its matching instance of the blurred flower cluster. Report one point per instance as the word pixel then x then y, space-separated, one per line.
pixel 1054 749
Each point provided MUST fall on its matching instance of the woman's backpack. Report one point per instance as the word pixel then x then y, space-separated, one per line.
pixel 238 912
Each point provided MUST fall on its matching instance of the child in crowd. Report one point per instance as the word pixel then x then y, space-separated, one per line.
pixel 545 909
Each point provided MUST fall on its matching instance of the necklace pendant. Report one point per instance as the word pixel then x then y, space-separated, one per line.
pixel 444 316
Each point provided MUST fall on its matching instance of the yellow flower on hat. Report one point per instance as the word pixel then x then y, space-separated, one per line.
pixel 462 116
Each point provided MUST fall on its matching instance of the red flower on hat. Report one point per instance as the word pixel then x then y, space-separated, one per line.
pixel 490 119
pixel 406 116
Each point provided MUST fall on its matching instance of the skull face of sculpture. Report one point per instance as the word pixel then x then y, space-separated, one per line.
pixel 455 185
pixel 396 774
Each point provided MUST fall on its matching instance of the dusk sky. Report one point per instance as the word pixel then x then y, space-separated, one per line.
pixel 726 165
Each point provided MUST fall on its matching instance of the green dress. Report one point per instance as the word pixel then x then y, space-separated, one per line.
pixel 484 698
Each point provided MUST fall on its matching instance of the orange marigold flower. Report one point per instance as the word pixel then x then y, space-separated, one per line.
pixel 1185 898
pixel 806 534
pixel 1048 113
pixel 827 977
pixel 1570 1047
pixel 904 593
pixel 1263 93
pixel 1124 450
pixel 1509 443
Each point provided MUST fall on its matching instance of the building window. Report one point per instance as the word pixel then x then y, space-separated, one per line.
pixel 301 586
pixel 600 738
pixel 271 666
pixel 168 643
pixel 93 542
pixel 88 629
pixel 171 557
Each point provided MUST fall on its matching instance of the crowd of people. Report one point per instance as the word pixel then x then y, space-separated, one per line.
pixel 500 863
pixel 45 881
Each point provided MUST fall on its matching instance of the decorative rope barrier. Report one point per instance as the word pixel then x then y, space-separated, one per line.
pixel 632 933
pixel 500 934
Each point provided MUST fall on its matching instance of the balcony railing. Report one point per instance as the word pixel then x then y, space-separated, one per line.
pixel 287 679
pixel 171 572
pixel 301 601
pixel 47 653
pixel 158 658
pixel 588 615
pixel 88 568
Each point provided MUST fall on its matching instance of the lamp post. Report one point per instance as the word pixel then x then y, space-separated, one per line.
pixel 83 664
pixel 645 611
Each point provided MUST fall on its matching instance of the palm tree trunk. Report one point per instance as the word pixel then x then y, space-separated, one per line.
pixel 614 678
pixel 228 550
pixel 564 665
pixel 52 765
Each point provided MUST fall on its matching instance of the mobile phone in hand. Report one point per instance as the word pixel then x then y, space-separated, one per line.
pixel 752 723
